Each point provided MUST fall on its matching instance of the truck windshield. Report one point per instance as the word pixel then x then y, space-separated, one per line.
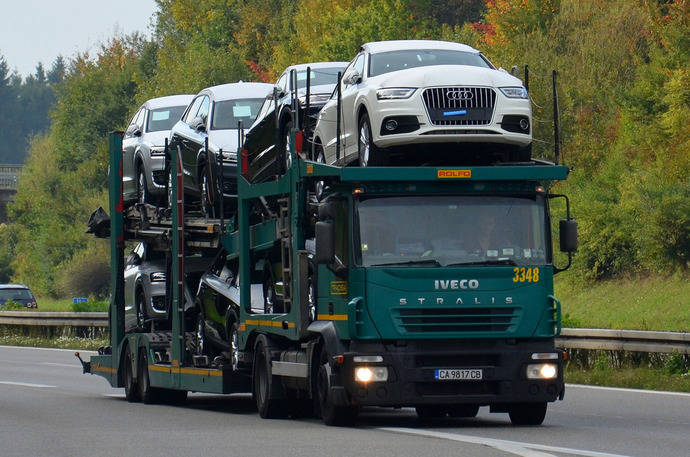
pixel 452 230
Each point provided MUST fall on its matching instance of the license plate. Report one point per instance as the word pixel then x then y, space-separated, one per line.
pixel 458 375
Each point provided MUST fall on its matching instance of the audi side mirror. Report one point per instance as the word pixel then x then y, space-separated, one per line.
pixel 199 124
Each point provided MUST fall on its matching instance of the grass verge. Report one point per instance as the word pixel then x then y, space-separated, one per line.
pixel 633 378
pixel 62 342
pixel 651 303
pixel 66 304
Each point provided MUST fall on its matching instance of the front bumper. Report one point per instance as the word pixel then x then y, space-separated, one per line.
pixel 492 132
pixel 411 369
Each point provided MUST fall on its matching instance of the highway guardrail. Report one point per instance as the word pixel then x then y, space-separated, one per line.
pixel 570 338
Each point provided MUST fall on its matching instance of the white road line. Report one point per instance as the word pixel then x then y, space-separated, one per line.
pixel 88 352
pixel 27 384
pixel 634 391
pixel 504 445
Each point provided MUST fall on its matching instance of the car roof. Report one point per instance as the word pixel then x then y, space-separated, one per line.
pixel 171 100
pixel 13 286
pixel 304 66
pixel 238 90
pixel 375 47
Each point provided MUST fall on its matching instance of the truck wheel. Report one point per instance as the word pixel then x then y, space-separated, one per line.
pixel 527 413
pixel 147 393
pixel 331 414
pixel 131 392
pixel 262 384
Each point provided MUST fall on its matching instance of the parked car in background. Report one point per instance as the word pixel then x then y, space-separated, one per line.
pixel 213 116
pixel 143 159
pixel 416 92
pixel 260 141
pixel 145 287
pixel 18 293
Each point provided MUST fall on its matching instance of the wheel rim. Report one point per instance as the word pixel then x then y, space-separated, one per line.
pixel 205 197
pixel 268 306
pixel 288 156
pixel 234 347
pixel 170 187
pixel 318 187
pixel 364 144
pixel 141 188
pixel 140 310
pixel 311 301
pixel 200 338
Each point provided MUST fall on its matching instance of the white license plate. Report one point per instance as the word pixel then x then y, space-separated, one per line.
pixel 458 375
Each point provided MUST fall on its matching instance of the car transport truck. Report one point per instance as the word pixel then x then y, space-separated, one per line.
pixel 427 287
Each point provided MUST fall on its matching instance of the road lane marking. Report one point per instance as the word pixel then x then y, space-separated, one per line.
pixel 27 384
pixel 503 445
pixel 627 390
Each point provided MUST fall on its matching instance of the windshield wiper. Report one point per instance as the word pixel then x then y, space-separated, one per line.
pixel 484 262
pixel 433 262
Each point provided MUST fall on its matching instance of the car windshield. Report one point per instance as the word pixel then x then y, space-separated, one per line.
pixel 164 118
pixel 319 76
pixel 385 62
pixel 227 113
pixel 452 230
pixel 15 294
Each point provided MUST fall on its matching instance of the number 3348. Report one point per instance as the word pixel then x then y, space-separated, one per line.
pixel 523 274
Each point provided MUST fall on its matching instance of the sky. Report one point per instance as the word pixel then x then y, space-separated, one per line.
pixel 33 31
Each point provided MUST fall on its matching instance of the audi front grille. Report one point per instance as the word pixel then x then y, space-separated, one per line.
pixel 459 105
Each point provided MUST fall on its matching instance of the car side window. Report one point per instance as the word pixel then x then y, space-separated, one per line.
pixel 133 122
pixel 191 113
pixel 203 109
pixel 359 64
pixel 141 118
pixel 282 82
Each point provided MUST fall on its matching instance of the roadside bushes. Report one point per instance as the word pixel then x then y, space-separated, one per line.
pixel 87 273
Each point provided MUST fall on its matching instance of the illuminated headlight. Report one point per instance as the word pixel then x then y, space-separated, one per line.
pixel 514 92
pixel 371 374
pixel 395 93
pixel 157 151
pixel 158 276
pixel 542 371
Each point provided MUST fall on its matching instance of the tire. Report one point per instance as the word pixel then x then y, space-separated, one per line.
pixel 234 348
pixel 271 303
pixel 169 188
pixel 262 385
pixel 140 309
pixel 331 414
pixel 131 388
pixel 527 413
pixel 147 393
pixel 142 188
pixel 367 152
pixel 200 345
pixel 319 157
pixel 208 206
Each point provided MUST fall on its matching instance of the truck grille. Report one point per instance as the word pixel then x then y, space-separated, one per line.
pixel 466 320
pixel 459 105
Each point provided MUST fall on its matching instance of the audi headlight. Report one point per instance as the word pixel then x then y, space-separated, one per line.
pixel 314 99
pixel 514 92
pixel 395 93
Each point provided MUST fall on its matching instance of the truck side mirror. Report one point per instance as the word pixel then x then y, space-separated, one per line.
pixel 568 235
pixel 325 243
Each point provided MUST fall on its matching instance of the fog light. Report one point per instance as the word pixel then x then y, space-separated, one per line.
pixel 367 374
pixel 542 371
pixel 524 124
pixel 391 125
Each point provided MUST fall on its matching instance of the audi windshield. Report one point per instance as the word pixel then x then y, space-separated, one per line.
pixel 452 230
pixel 385 62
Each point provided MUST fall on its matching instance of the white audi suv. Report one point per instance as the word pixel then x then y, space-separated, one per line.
pixel 418 93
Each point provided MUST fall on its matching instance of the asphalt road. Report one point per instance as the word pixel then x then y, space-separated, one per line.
pixel 48 408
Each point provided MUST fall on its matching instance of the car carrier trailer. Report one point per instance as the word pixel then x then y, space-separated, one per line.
pixel 398 329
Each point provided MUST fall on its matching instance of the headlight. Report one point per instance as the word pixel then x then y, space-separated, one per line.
pixel 157 151
pixel 395 93
pixel 158 276
pixel 542 371
pixel 514 92
pixel 231 156
pixel 314 99
pixel 367 374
